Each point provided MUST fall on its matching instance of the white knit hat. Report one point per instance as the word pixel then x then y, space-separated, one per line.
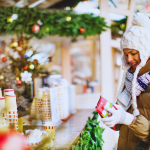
pixel 136 37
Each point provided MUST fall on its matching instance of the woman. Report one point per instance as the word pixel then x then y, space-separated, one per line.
pixel 133 101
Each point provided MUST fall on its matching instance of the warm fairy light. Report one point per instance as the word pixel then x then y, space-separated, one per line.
pixel 10 20
pixel 15 44
pixel 68 18
pixel 1 77
pixel 31 66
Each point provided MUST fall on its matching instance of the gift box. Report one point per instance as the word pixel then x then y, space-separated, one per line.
pixel 100 107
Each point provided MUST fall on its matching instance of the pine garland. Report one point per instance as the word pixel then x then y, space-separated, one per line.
pixel 62 23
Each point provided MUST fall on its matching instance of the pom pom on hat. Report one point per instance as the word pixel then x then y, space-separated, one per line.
pixel 141 21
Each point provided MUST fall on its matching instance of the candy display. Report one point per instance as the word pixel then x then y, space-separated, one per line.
pixel 8 111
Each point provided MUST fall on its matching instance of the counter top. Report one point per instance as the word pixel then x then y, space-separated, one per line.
pixel 68 132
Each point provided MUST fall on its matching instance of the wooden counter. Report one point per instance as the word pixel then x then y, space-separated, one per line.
pixel 69 131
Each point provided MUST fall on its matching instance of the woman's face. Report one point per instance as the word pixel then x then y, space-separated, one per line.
pixel 132 56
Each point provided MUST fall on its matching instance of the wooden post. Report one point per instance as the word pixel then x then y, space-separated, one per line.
pixel 66 68
pixel 93 61
pixel 107 78
pixel 131 14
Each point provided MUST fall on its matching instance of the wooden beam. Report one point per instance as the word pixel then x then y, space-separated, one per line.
pixel 65 59
pixel 48 3
pixel 107 79
pixel 115 43
pixel 119 11
pixel 131 13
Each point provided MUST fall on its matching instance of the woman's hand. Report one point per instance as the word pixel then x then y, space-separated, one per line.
pixel 109 114
pixel 119 116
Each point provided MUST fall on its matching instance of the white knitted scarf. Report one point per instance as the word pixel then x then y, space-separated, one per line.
pixel 124 98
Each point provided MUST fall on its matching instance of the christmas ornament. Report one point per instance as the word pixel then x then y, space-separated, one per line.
pixel 1 77
pixel 31 66
pixel 82 30
pixel 36 60
pixel 4 59
pixel 122 26
pixel 19 48
pixel 35 28
pixel 14 16
pixel 9 20
pixel 68 18
pixel 26 76
pixel 17 78
pixel 47 29
pixel 19 43
pixel 14 44
pixel 11 140
pixel 25 67
pixel 19 82
pixel 25 56
pixel 39 22
pixel 10 61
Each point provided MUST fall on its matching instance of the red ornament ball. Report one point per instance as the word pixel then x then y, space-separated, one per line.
pixel 12 141
pixel 35 28
pixel 4 59
pixel 36 60
pixel 19 82
pixel 82 30
pixel 25 67
pixel 19 43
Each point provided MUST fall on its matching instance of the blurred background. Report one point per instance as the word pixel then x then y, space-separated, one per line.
pixel 79 41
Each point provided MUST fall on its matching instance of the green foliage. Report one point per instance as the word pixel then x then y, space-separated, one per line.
pixel 54 22
pixel 118 27
pixel 91 137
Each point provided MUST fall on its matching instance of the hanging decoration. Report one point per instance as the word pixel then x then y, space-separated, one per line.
pixel 4 59
pixel 35 60
pixel 19 43
pixel 25 67
pixel 14 17
pixel 35 28
pixel 42 23
pixel 118 28
pixel 39 22
pixel 31 66
pixel 1 77
pixel 9 20
pixel 19 82
pixel 82 30
pixel 26 76
pixel 68 18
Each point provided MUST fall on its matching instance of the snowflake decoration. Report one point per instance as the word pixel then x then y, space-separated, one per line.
pixel 26 76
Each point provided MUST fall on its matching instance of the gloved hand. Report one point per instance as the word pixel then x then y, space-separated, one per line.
pixel 119 116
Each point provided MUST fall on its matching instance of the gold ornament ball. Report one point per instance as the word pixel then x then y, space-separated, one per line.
pixel 68 18
pixel 10 20
pixel 47 29
pixel 31 66
pixel 1 77
pixel 15 44
pixel 10 61
pixel 17 78
pixel 122 26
